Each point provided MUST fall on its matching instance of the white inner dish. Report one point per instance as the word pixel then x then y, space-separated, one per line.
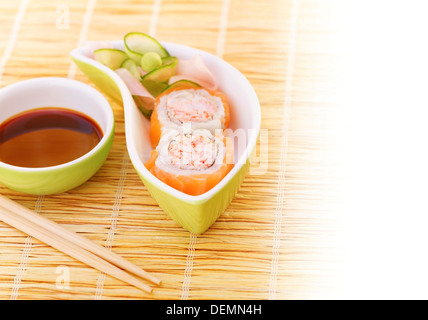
pixel 244 113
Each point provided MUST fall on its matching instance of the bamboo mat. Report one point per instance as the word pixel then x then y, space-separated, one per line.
pixel 279 237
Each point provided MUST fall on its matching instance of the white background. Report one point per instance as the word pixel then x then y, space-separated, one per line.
pixel 388 238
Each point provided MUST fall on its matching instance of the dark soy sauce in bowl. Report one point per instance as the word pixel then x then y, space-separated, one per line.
pixel 47 137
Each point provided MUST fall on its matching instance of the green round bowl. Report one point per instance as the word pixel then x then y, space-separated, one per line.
pixel 60 93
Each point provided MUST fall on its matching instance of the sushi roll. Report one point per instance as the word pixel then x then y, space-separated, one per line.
pixel 198 107
pixel 191 162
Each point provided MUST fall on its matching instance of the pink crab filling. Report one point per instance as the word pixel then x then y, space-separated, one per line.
pixel 195 152
pixel 186 107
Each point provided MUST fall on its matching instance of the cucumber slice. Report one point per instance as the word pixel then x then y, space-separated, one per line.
pixel 150 61
pixel 157 80
pixel 185 84
pixel 112 58
pixel 146 107
pixel 168 60
pixel 138 43
pixel 154 87
pixel 132 67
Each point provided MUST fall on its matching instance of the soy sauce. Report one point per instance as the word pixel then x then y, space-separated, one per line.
pixel 47 137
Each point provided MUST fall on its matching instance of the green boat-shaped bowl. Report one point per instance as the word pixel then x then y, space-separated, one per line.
pixel 194 213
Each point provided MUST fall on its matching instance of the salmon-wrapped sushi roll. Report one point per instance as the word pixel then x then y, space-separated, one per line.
pixel 201 108
pixel 192 163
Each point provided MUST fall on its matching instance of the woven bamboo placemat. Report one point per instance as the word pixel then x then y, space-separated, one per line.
pixel 278 238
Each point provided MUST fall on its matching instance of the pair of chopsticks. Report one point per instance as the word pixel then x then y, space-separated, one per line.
pixel 73 244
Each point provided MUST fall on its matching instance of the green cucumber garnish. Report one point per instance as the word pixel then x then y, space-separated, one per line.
pixel 157 80
pixel 150 61
pixel 138 43
pixel 142 54
pixel 132 67
pixel 145 105
pixel 183 84
pixel 112 58
pixel 168 60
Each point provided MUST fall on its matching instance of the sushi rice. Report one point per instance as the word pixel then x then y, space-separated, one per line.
pixel 191 161
pixel 200 108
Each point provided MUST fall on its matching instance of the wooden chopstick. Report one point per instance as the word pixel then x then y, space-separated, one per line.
pixel 71 243
pixel 69 248
pixel 76 238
